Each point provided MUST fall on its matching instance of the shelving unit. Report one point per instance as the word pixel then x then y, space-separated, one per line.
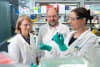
pixel 91 2
pixel 71 3
pixel 59 2
pixel 68 3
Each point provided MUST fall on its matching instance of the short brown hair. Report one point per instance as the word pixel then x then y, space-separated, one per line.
pixel 19 21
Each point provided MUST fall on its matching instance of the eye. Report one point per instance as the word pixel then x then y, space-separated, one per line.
pixel 26 25
pixel 52 16
pixel 72 18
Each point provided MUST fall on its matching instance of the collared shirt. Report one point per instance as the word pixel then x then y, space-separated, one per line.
pixel 27 39
pixel 71 40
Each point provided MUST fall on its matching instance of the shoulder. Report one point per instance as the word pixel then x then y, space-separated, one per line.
pixel 91 34
pixel 31 35
pixel 63 26
pixel 91 38
pixel 15 40
pixel 43 26
pixel 43 29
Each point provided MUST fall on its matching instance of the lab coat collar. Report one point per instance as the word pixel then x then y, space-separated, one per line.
pixel 23 40
pixel 84 33
pixel 82 37
pixel 31 40
pixel 26 39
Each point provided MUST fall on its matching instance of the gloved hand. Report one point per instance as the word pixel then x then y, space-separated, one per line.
pixel 59 39
pixel 33 65
pixel 45 47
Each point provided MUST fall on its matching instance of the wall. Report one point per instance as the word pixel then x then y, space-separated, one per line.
pixel 5 23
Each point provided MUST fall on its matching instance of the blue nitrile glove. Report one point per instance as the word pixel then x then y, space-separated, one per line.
pixel 59 39
pixel 45 47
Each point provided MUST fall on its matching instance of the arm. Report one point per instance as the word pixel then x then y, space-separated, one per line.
pixel 87 45
pixel 65 30
pixel 13 52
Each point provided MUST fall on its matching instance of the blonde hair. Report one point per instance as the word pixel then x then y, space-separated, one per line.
pixel 19 22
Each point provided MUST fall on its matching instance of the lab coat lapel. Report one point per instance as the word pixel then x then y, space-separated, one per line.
pixel 49 35
pixel 53 31
pixel 68 38
pixel 80 40
pixel 24 46
pixel 23 40
pixel 32 43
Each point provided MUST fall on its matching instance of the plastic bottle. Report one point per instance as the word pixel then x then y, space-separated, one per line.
pixel 76 48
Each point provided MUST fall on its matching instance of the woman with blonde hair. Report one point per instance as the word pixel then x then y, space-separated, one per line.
pixel 22 48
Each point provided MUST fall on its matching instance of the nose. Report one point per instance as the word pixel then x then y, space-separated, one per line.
pixel 69 21
pixel 51 17
pixel 28 26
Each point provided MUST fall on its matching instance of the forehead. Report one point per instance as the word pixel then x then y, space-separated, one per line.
pixel 73 14
pixel 51 12
pixel 25 21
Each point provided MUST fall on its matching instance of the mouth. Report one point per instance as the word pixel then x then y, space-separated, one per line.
pixel 27 30
pixel 52 21
pixel 70 24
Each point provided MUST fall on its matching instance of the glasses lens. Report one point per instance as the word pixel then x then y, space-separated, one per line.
pixel 27 24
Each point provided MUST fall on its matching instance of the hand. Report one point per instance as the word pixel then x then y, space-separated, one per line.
pixel 59 39
pixel 33 65
pixel 45 47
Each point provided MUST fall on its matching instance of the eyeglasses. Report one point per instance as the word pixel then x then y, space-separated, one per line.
pixel 75 18
pixel 26 25
pixel 54 16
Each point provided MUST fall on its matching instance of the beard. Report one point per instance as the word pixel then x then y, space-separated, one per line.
pixel 53 23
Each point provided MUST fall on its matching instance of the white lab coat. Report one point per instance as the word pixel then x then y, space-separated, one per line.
pixel 45 36
pixel 20 51
pixel 84 42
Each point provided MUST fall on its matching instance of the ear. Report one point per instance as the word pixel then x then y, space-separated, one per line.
pixel 84 20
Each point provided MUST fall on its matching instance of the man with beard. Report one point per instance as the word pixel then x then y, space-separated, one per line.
pixel 47 46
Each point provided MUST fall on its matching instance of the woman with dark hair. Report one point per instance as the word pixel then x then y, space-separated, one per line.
pixel 81 39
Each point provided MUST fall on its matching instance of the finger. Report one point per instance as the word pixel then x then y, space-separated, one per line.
pixel 61 36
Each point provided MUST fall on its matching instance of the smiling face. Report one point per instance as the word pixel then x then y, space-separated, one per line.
pixel 25 27
pixel 75 22
pixel 52 17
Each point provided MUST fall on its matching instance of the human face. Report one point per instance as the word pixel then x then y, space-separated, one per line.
pixel 52 17
pixel 75 22
pixel 25 27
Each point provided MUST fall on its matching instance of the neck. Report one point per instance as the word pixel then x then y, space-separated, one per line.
pixel 79 32
pixel 54 26
pixel 25 35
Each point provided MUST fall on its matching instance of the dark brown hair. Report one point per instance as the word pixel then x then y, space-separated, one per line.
pixel 83 12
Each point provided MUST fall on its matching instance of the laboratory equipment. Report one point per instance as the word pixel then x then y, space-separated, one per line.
pixel 63 62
